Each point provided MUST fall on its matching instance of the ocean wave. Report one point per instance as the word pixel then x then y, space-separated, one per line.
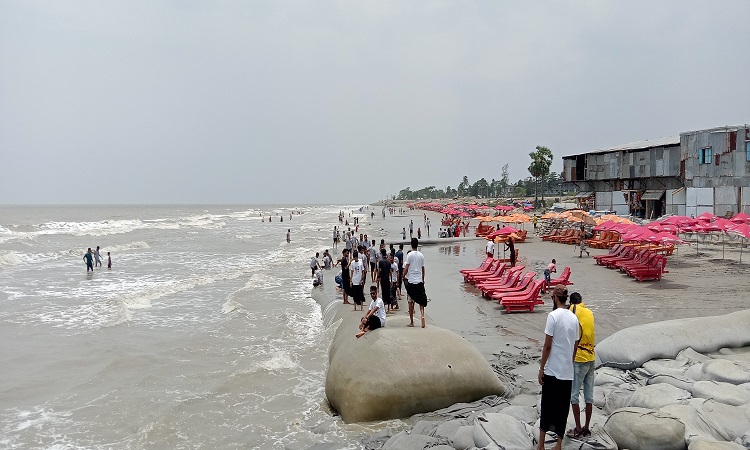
pixel 281 360
pixel 9 259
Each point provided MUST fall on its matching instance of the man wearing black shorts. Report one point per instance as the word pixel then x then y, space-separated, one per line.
pixel 414 274
pixel 556 370
pixel 384 277
pixel 358 276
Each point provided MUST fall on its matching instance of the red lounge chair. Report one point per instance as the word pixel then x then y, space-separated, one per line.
pixel 502 280
pixel 479 277
pixel 633 255
pixel 625 254
pixel 527 290
pixel 616 250
pixel 646 260
pixel 522 302
pixel 481 267
pixel 563 279
pixel 488 269
pixel 521 285
pixel 652 273
pixel 513 280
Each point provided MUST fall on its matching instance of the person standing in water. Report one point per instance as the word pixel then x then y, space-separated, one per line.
pixel 109 261
pixel 89 258
pixel 97 257
pixel 288 235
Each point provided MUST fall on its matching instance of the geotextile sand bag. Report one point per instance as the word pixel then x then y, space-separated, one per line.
pixel 632 347
pixel 645 429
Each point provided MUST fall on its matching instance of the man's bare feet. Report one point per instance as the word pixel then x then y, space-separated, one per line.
pixel 347 303
pixel 411 324
pixel 422 322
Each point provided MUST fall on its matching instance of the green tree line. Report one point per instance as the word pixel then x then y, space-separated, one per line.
pixel 541 182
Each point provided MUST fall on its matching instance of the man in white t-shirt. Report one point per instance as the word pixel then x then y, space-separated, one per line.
pixel 414 271
pixel 357 279
pixel 490 248
pixel 556 371
pixel 375 317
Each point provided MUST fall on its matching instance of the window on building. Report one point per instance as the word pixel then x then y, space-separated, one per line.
pixel 747 150
pixel 705 155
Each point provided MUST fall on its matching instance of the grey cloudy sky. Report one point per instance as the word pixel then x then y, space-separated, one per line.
pixel 280 101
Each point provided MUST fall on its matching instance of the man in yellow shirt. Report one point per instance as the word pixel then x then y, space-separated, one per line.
pixel 583 366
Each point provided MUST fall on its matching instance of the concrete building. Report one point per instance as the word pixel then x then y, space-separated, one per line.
pixel 698 171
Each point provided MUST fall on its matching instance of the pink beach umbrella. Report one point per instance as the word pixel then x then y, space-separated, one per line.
pixel 706 217
pixel 604 226
pixel 636 233
pixel 664 238
pixel 741 217
pixel 659 227
pixel 742 230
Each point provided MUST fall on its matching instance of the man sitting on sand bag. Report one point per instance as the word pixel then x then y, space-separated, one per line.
pixel 375 317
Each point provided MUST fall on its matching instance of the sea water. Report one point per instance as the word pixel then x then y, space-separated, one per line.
pixel 203 334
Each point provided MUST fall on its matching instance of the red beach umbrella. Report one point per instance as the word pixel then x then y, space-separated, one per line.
pixel 741 217
pixel 607 225
pixel 706 217
pixel 665 238
pixel 502 232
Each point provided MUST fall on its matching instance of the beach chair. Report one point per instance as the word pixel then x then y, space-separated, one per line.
pixel 563 279
pixel 612 252
pixel 482 267
pixel 568 232
pixel 572 239
pixel 509 279
pixel 479 277
pixel 547 237
pixel 625 253
pixel 521 284
pixel 522 302
pixel 652 273
pixel 493 265
pixel 644 261
pixel 631 255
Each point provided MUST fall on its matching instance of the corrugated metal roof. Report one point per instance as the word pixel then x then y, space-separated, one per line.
pixel 637 145
pixel 652 195
pixel 584 195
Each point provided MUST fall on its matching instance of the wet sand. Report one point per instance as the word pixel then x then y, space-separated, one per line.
pixel 696 285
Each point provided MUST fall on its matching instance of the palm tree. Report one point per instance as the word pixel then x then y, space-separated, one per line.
pixel 541 160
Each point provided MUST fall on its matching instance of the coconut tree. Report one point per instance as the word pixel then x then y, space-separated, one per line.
pixel 541 160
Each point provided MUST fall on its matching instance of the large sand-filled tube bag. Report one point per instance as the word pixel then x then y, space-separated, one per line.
pixel 397 371
pixel 645 429
pixel 631 347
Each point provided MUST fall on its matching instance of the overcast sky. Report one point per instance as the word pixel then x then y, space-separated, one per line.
pixel 344 101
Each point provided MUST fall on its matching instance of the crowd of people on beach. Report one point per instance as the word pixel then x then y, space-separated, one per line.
pixel 389 269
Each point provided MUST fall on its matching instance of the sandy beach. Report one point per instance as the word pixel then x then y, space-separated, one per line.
pixel 697 285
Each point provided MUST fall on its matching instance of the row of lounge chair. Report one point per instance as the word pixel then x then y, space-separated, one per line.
pixel 641 264
pixel 513 289
pixel 567 236
pixel 604 239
